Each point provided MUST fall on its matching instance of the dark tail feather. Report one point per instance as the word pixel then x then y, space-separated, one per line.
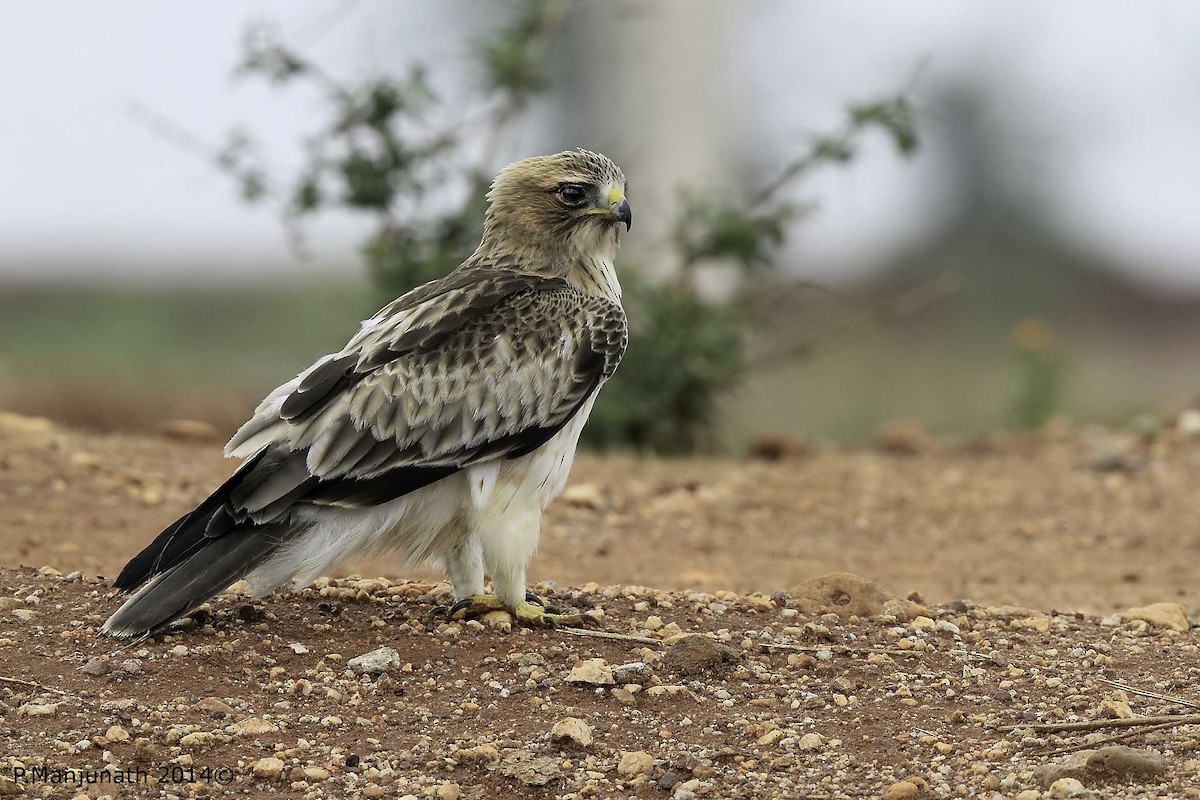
pixel 211 568
pixel 187 535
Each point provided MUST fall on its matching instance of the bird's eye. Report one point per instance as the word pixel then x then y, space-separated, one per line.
pixel 572 194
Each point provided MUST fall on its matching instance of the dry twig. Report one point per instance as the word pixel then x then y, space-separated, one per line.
pixel 34 685
pixel 1098 724
pixel 839 648
pixel 607 635
pixel 1119 737
pixel 1179 701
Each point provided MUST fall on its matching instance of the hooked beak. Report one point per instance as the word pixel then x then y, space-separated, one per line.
pixel 621 212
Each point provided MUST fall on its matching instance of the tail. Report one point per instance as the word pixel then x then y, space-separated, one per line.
pixel 215 565
pixel 203 552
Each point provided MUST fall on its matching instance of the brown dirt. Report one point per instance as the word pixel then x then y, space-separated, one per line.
pixel 807 704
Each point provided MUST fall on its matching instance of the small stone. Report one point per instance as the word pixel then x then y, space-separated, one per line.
pixel 922 623
pixel 215 706
pixel 902 438
pixel 499 620
pixel 632 672
pixel 316 773
pixel 373 790
pixel 188 430
pixel 268 768
pixel 583 495
pixel 593 671
pixel 909 789
pixel 1171 616
pixel 84 460
pixel 811 741
pixel 1115 762
pixel 116 734
pixel 131 665
pixel 1029 794
pixel 1189 423
pixel 770 737
pixel 251 726
pixel 698 655
pixel 849 595
pixel 96 667
pixel 449 791
pixel 571 732
pixel 375 662
pixel 24 614
pixel 1066 787
pixel 1116 709
pixel 197 739
pixel 38 710
pixel 636 762
pixel 530 769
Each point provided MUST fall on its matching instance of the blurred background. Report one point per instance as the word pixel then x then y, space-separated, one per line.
pixel 974 215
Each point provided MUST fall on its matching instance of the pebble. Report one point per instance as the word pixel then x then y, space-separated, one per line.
pixel 698 655
pixel 38 710
pixel 529 768
pixel 215 706
pixel 1066 787
pixel 1115 762
pixel 316 773
pixel 1116 709
pixel 593 671
pixel 583 495
pixel 269 768
pixel 1171 616
pixel 811 741
pixel 116 733
pixel 188 430
pixel 572 731
pixel 96 667
pixel 632 672
pixel 906 790
pixel 1189 423
pixel 375 662
pixel 252 726
pixel 636 762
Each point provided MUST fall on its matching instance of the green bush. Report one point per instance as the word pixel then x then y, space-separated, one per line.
pixel 379 154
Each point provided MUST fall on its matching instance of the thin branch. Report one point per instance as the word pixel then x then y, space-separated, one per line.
pixel 607 635
pixel 34 685
pixel 1118 737
pixel 1179 701
pixel 839 648
pixel 1100 724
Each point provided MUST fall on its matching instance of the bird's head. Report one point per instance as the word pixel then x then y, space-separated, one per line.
pixel 562 206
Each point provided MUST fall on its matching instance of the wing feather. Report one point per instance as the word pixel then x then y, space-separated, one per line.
pixel 483 365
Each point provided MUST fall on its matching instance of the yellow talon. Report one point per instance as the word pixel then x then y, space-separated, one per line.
pixel 534 616
pixel 474 606
pixel 531 615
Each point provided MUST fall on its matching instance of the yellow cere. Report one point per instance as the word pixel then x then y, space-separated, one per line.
pixel 615 195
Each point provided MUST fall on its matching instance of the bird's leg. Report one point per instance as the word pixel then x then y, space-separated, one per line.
pixel 507 544
pixel 463 565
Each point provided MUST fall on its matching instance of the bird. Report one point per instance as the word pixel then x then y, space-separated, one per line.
pixel 439 433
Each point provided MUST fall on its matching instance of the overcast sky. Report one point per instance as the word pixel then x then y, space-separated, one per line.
pixel 1113 84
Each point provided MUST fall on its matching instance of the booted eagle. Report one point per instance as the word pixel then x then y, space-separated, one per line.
pixel 439 432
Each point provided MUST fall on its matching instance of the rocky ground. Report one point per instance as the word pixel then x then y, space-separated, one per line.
pixel 751 675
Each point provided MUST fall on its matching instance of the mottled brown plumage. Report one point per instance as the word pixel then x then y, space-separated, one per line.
pixel 440 430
